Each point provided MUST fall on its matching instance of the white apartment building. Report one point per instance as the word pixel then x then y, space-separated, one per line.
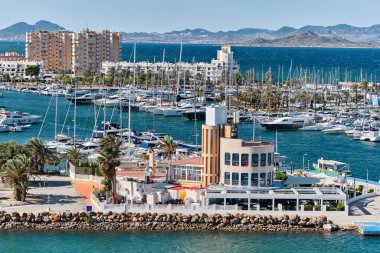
pixel 16 69
pixel 216 71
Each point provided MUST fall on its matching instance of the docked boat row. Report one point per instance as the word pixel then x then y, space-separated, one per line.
pixel 358 125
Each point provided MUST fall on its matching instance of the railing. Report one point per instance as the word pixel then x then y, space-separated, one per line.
pixel 364 196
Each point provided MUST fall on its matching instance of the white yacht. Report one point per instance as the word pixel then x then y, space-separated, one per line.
pixel 17 118
pixel 373 136
pixel 288 123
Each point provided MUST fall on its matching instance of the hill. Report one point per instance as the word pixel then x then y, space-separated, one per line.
pixel 18 30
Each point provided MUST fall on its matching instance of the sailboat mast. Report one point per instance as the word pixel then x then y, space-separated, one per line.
pixel 129 102
pixel 179 66
pixel 56 113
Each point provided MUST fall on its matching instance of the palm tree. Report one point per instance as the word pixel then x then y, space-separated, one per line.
pixel 364 85
pixel 17 172
pixel 355 88
pixel 9 150
pixel 109 160
pixel 41 154
pixel 74 156
pixel 168 146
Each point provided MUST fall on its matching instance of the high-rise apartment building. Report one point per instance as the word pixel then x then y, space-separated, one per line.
pixel 51 48
pixel 90 49
pixel 73 52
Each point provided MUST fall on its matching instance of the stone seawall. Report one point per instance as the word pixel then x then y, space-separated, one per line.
pixel 161 222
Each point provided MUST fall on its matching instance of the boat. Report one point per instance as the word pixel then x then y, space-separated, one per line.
pixel 336 130
pixel 332 167
pixel 84 99
pixel 372 136
pixel 288 123
pixel 199 114
pixel 17 118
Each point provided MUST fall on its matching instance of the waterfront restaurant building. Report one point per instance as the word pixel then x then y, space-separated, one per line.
pixel 225 160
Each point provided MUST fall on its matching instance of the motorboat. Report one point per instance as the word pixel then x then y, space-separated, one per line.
pixel 372 136
pixel 199 114
pixel 332 167
pixel 339 129
pixel 84 99
pixel 288 123
pixel 17 118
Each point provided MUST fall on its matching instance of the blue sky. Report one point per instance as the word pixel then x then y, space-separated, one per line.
pixel 168 15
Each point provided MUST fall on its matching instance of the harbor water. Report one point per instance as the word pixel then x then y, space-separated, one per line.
pixel 293 144
pixel 60 242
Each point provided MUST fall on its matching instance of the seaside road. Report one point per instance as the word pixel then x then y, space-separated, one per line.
pixel 360 211
pixel 54 193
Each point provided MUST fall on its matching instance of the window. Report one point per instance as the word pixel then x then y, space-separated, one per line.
pixel 262 179
pixel 269 178
pixel 227 159
pixel 269 159
pixel 254 179
pixel 235 159
pixel 235 178
pixel 244 160
pixel 244 179
pixel 255 160
pixel 263 160
pixel 227 178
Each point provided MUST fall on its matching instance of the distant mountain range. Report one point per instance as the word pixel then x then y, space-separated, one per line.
pixel 308 39
pixel 323 36
pixel 18 30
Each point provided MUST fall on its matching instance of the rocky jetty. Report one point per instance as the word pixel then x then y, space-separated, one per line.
pixel 168 222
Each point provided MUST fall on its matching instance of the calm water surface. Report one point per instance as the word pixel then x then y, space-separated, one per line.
pixel 185 242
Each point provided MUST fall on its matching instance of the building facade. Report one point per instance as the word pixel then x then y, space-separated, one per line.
pixel 16 69
pixel 218 70
pixel 74 53
pixel 51 48
pixel 90 49
pixel 245 163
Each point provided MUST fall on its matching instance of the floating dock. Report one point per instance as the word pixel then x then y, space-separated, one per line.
pixel 368 228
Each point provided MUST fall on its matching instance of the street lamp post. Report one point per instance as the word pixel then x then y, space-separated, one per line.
pixel 367 179
pixel 308 164
pixel 303 162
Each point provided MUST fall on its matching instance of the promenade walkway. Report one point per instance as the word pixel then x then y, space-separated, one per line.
pixel 85 188
pixel 54 193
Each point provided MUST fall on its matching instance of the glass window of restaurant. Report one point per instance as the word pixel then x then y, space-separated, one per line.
pixel 244 160
pixel 244 179
pixel 227 158
pixel 254 179
pixel 269 159
pixel 255 160
pixel 263 160
pixel 235 178
pixel 227 178
pixel 269 178
pixel 262 179
pixel 235 159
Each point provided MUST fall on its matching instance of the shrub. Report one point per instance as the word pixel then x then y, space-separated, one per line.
pixel 340 206
pixel 371 190
pixel 360 188
pixel 282 176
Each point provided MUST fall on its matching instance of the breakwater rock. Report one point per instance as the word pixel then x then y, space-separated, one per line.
pixel 155 221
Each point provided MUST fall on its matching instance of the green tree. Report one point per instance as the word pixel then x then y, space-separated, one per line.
pixel 365 85
pixel 32 71
pixel 17 172
pixel 168 146
pixel 41 154
pixel 355 88
pixel 74 156
pixel 109 160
